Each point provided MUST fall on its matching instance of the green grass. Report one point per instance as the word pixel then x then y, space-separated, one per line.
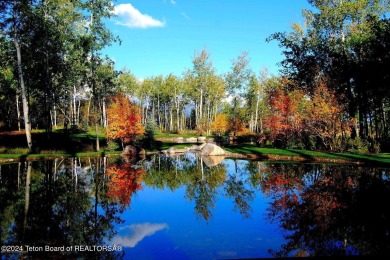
pixel 90 135
pixel 262 152
pixel 174 145
pixel 186 134
pixel 159 146
pixel 51 155
pixel 10 156
pixel 18 150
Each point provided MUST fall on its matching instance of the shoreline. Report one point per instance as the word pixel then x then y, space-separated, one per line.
pixel 228 155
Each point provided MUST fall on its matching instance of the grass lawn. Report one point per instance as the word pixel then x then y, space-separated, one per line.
pixel 160 145
pixel 382 158
pixel 184 135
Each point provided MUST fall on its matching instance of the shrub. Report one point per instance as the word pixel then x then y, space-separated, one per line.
pixel 358 145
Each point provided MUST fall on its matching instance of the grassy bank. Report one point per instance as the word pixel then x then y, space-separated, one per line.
pixel 82 143
pixel 267 153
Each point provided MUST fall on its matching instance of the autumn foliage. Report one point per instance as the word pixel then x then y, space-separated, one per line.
pixel 220 124
pixel 125 180
pixel 285 120
pixel 124 120
pixel 301 120
pixel 326 118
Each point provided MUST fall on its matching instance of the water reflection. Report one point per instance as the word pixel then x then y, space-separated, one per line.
pixel 322 210
pixel 63 203
pixel 130 235
pixel 329 210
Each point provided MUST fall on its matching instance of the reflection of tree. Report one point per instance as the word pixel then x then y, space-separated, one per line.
pixel 202 183
pixel 235 188
pixel 165 171
pixel 55 211
pixel 9 193
pixel 125 180
pixel 335 212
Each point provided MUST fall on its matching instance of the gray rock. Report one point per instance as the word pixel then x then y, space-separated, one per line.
pixel 211 161
pixel 212 149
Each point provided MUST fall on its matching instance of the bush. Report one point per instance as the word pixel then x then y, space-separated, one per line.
pixel 358 145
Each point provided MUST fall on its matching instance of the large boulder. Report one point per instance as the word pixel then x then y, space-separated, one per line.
pixel 211 161
pixel 212 149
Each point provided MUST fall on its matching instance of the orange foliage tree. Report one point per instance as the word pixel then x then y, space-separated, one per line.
pixel 220 124
pixel 125 180
pixel 124 120
pixel 326 117
pixel 237 127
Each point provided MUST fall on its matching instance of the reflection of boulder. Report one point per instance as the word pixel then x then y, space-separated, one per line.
pixel 211 161
pixel 212 149
pixel 131 151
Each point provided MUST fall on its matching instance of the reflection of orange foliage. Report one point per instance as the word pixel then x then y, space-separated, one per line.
pixel 280 183
pixel 283 187
pixel 323 197
pixel 125 180
pixel 124 120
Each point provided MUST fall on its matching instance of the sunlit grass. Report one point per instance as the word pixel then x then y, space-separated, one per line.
pixel 17 150
pixel 253 149
pixel 184 134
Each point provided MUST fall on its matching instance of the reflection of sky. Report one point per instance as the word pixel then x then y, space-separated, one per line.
pixel 226 235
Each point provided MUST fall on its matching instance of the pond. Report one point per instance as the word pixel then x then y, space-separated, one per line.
pixel 189 207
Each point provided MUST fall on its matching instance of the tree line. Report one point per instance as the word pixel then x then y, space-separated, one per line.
pixel 332 91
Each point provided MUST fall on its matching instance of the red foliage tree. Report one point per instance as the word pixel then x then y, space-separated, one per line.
pixel 285 122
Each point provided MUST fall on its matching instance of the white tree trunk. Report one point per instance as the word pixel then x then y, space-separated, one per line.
pixel 26 114
pixel 18 111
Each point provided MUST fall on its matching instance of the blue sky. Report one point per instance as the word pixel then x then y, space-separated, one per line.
pixel 161 36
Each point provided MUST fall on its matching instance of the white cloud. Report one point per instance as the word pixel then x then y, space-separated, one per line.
pixel 135 233
pixel 185 16
pixel 133 18
pixel 173 2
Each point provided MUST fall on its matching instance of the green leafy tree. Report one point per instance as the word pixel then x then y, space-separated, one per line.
pixel 236 81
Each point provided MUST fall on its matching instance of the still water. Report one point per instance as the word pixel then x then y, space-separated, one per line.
pixel 189 207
